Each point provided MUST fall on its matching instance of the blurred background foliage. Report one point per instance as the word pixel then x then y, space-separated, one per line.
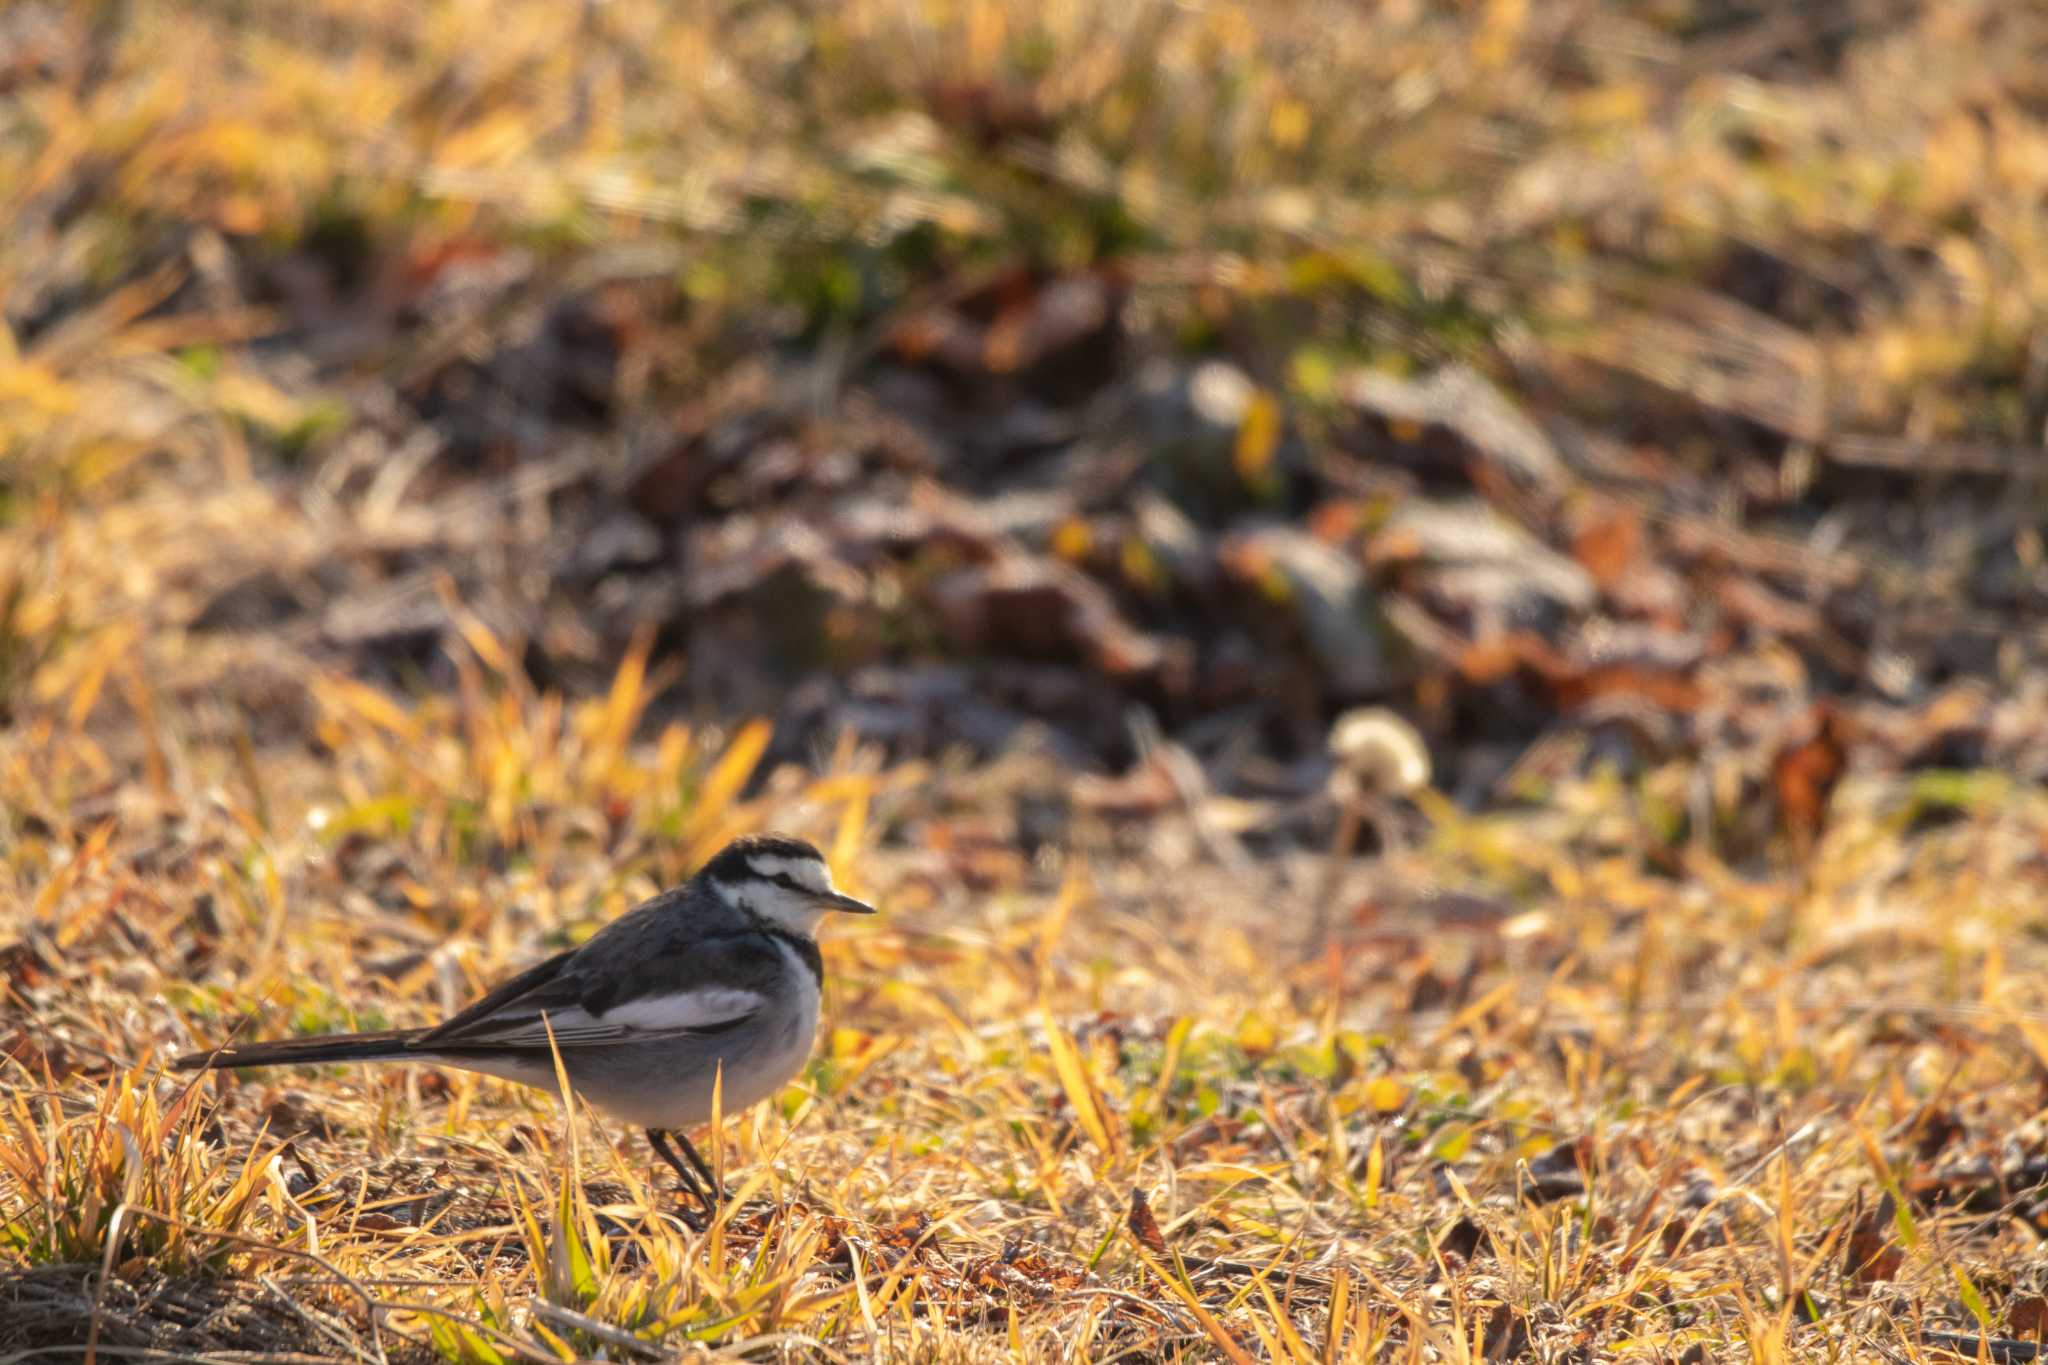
pixel 951 371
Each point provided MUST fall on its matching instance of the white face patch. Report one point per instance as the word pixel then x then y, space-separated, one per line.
pixel 809 873
pixel 794 907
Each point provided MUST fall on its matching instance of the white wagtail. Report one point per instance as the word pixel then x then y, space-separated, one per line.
pixel 722 973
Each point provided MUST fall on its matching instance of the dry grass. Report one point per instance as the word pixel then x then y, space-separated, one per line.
pixel 1612 1114
pixel 1624 1116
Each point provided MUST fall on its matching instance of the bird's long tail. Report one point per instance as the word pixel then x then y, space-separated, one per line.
pixel 387 1045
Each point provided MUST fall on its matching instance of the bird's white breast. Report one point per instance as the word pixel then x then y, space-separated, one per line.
pixel 804 1034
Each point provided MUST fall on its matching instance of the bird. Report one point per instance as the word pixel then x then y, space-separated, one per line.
pixel 720 976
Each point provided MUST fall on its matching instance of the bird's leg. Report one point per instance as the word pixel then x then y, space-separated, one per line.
pixel 710 1180
pixel 700 1191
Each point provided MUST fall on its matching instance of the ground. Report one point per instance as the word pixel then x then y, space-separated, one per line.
pixel 464 463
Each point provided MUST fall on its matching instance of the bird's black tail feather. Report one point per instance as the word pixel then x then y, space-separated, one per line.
pixel 389 1044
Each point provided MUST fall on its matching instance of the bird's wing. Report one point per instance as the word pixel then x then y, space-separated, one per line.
pixel 637 990
pixel 710 1010
pixel 543 986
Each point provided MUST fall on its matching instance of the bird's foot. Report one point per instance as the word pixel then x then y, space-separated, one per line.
pixel 695 1178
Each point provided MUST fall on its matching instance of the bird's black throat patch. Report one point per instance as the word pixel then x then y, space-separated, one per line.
pixel 806 949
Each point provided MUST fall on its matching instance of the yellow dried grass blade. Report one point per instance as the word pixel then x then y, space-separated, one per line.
pixel 367 704
pixel 483 642
pixel 571 1274
pixel 66 876
pixel 718 1164
pixel 1055 924
pixel 1258 437
pixel 730 773
pixel 562 1349
pixel 1169 1062
pixel 1080 1087
pixel 529 1227
pixel 1340 1312
pixel 1218 1333
pixel 623 704
pixel 853 827
pixel 111 645
pixel 1297 1349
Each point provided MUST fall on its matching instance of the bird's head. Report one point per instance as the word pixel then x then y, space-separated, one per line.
pixel 784 881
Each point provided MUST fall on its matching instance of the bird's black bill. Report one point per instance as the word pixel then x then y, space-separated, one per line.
pixel 832 900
